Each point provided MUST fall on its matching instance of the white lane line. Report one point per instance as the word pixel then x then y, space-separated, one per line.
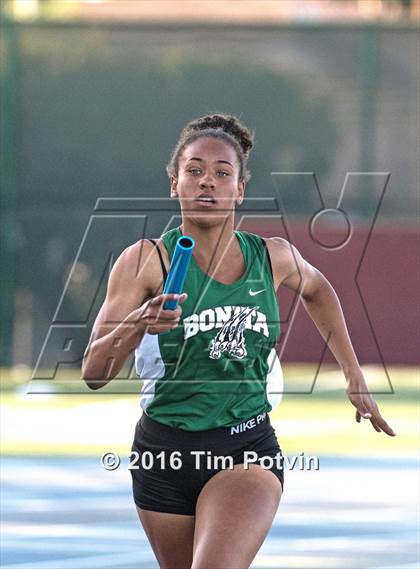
pixel 74 546
pixel 80 531
pixel 295 562
pixel 91 562
pixel 403 566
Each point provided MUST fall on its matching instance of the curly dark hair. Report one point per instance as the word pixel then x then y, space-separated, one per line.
pixel 225 127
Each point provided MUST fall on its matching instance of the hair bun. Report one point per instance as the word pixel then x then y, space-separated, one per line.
pixel 229 124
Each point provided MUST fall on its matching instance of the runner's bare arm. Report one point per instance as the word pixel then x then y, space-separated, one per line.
pixel 129 310
pixel 323 306
pixel 318 298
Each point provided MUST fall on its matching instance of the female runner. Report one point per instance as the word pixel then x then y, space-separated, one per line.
pixel 205 399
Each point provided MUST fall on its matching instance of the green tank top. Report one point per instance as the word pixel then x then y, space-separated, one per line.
pixel 219 366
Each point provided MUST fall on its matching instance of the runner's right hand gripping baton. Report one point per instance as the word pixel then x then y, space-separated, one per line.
pixel 178 270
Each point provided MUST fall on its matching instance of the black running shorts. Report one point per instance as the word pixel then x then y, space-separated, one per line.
pixel 170 466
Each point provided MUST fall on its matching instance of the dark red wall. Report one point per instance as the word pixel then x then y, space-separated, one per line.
pixel 388 281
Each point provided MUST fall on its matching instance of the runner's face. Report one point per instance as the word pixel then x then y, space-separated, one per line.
pixel 208 185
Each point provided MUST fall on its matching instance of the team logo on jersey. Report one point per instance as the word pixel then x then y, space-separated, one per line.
pixel 232 321
pixel 230 338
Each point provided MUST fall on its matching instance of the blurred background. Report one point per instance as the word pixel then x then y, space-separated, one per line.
pixel 93 96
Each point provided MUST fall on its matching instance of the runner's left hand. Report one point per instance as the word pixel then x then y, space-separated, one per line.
pixel 366 407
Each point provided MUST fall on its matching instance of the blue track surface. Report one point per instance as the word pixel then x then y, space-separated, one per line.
pixel 63 513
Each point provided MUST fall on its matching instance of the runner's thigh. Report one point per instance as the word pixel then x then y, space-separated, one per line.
pixel 171 537
pixel 234 513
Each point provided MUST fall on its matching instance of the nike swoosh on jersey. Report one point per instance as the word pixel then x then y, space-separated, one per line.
pixel 253 293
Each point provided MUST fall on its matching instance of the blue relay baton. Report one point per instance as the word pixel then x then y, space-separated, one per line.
pixel 180 262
